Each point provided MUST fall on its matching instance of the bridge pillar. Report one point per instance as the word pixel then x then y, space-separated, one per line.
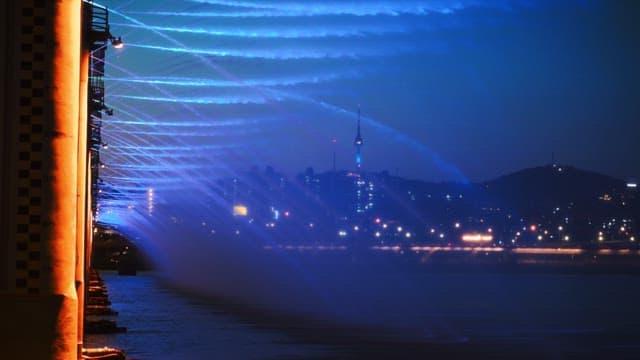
pixel 40 216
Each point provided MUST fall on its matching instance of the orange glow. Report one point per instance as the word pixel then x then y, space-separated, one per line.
pixel 456 248
pixel 240 210
pixel 477 238
pixel 548 251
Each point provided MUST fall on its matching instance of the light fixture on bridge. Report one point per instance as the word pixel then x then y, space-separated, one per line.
pixel 117 42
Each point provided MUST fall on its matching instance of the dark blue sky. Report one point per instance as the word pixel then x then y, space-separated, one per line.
pixel 449 90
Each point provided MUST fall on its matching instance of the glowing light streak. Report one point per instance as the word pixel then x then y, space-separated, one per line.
pixel 281 54
pixel 161 168
pixel 198 82
pixel 171 149
pixel 283 33
pixel 238 131
pixel 456 249
pixel 220 100
pixel 477 238
pixel 548 251
pixel 202 123
pixel 306 9
pixel 306 247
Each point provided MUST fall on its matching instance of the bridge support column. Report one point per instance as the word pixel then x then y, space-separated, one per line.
pixel 39 242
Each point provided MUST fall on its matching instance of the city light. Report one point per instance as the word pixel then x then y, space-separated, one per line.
pixel 407 234
pixel 150 201
pixel 240 210
pixel 342 233
pixel 399 229
pixel 533 228
pixel 456 225
pixel 477 238
pixel 547 251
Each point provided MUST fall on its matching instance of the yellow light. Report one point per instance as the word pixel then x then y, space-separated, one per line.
pixel 548 251
pixel 240 210
pixel 477 238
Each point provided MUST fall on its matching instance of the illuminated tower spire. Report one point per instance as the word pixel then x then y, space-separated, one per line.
pixel 358 143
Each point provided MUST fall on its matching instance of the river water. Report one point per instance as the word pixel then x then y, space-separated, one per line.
pixel 465 315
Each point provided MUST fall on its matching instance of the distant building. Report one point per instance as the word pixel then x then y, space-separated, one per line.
pixel 358 142
pixel 363 187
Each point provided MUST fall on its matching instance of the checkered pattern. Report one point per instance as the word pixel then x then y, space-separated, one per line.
pixel 33 91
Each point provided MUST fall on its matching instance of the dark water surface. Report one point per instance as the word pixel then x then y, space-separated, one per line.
pixel 464 315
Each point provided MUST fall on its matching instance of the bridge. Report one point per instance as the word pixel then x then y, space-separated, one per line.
pixel 52 102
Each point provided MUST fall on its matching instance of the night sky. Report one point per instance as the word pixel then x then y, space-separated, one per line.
pixel 448 90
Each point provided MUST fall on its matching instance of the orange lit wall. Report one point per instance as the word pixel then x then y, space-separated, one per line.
pixel 39 105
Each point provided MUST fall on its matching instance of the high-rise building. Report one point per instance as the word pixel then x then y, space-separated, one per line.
pixel 358 143
pixel 364 188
